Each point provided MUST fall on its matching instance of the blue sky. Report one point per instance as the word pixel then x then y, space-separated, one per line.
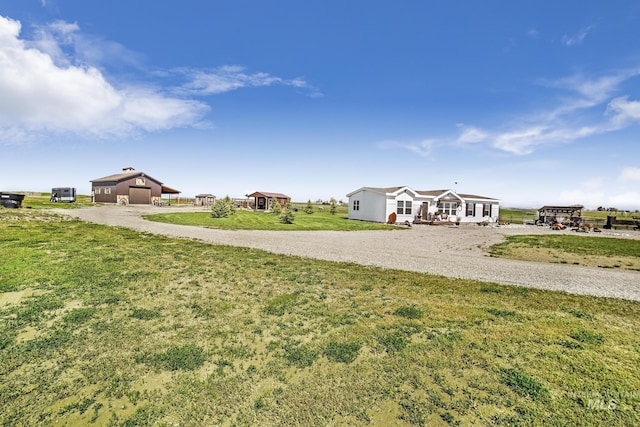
pixel 529 102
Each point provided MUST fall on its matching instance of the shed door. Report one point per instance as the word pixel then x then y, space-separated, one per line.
pixel 139 196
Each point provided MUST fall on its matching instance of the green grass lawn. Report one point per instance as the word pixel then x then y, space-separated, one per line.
pixel 107 326
pixel 572 249
pixel 250 220
pixel 43 201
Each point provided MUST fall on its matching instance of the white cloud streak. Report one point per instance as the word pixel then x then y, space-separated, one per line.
pixel 422 148
pixel 561 123
pixel 233 77
pixel 576 39
pixel 629 174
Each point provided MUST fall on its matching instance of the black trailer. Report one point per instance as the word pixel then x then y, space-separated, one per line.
pixel 9 200
pixel 63 194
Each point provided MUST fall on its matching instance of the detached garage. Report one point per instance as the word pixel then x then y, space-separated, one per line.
pixel 129 187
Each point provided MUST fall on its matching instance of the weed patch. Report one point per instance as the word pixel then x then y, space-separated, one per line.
pixel 187 357
pixel 342 352
pixel 523 384
pixel 587 337
pixel 409 312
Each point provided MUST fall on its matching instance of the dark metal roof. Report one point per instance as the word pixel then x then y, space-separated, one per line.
pixel 169 190
pixel 269 195
pixel 128 173
pixel 561 208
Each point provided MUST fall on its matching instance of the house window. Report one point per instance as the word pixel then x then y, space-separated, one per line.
pixel 448 208
pixel 97 190
pixel 404 207
pixel 356 205
pixel 107 191
pixel 471 209
pixel 486 210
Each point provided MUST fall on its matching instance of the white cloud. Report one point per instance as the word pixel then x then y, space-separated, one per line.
pixel 576 39
pixel 561 124
pixel 423 148
pixel 42 92
pixel 629 174
pixel 471 134
pixel 232 77
pixel 627 200
pixel 589 199
pixel 623 111
pixel 533 32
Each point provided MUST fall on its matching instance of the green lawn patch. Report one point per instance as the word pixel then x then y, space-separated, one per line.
pixel 250 220
pixel 572 249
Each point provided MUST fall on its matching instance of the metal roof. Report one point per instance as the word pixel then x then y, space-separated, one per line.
pixel 268 194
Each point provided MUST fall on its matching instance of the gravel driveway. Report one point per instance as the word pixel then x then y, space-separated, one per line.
pixel 450 251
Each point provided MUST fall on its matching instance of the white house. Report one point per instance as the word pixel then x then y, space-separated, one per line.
pixel 378 205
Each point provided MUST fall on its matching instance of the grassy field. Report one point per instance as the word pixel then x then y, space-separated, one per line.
pixel 43 201
pixel 570 249
pixel 250 220
pixel 107 326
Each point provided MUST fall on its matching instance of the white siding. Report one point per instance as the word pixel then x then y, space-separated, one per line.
pixel 393 207
pixel 372 206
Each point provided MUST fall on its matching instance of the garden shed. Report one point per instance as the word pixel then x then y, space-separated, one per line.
pixel 262 200
pixel 204 200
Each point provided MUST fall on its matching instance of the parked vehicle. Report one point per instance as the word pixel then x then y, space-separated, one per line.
pixel 9 200
pixel 63 194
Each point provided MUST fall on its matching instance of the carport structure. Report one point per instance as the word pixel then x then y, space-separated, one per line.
pixel 552 214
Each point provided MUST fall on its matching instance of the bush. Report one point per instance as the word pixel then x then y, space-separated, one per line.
pixel 276 208
pixel 223 208
pixel 308 209
pixel 287 217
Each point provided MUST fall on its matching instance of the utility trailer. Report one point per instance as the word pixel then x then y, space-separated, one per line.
pixel 63 194
pixel 10 200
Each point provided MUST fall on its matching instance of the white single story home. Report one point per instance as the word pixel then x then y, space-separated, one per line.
pixel 378 205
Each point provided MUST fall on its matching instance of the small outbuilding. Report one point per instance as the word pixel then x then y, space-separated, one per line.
pixel 129 187
pixel 204 200
pixel 262 200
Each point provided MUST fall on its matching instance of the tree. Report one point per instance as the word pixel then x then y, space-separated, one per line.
pixel 222 208
pixel 308 209
pixel 333 209
pixel 276 208
pixel 287 217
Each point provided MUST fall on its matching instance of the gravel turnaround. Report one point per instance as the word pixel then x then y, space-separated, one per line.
pixel 458 252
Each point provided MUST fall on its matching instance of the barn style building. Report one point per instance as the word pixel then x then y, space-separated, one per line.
pixel 129 187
